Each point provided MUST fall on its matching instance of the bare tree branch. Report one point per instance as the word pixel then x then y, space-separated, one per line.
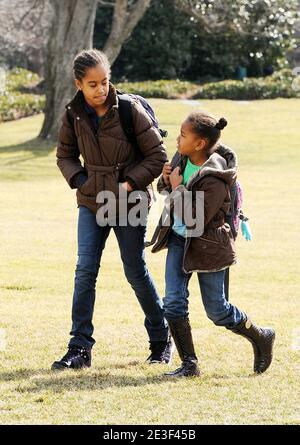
pixel 196 10
pixel 125 18
pixel 29 11
pixel 24 29
pixel 108 4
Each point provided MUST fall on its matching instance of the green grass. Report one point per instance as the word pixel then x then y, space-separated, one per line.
pixel 38 224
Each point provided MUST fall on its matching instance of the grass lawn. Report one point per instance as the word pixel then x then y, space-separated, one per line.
pixel 38 224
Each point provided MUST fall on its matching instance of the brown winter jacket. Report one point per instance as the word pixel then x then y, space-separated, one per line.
pixel 214 250
pixel 108 156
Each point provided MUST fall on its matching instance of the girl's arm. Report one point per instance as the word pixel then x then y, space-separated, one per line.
pixel 151 145
pixel 162 186
pixel 67 153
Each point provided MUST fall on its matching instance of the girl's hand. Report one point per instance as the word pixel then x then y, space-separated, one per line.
pixel 175 178
pixel 166 172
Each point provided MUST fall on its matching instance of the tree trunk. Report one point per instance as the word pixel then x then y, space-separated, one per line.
pixel 71 31
pixel 125 19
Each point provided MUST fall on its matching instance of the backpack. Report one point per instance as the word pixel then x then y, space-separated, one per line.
pixel 235 214
pixel 126 117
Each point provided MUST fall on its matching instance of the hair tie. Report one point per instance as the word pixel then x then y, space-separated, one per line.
pixel 221 124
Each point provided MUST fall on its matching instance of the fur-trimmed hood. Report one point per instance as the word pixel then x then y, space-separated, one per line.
pixel 216 166
pixel 223 165
pixel 228 154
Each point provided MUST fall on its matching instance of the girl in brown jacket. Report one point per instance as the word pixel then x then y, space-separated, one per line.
pixel 200 166
pixel 91 128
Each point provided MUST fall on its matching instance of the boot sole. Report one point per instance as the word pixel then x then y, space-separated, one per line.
pixel 178 376
pixel 59 367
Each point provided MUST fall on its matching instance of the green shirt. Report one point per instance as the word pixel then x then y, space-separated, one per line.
pixel 189 170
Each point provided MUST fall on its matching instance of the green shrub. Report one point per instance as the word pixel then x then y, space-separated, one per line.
pixel 277 85
pixel 14 103
pixel 164 89
pixel 17 101
pixel 19 79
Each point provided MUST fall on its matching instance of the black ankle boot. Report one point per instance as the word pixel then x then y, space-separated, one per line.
pixel 262 340
pixel 77 357
pixel 181 332
pixel 161 351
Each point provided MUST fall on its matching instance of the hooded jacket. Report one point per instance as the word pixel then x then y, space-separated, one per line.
pixel 214 249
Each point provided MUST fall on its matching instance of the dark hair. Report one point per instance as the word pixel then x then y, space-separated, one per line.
pixel 88 59
pixel 207 127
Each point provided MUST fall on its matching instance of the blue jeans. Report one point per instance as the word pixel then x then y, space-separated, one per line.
pixel 91 242
pixel 217 308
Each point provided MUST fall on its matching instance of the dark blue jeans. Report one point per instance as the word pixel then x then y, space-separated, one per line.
pixel 217 308
pixel 91 242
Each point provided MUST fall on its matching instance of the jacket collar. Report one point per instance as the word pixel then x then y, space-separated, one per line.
pixel 77 104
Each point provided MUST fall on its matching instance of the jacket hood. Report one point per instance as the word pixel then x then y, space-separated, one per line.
pixel 228 154
pixel 216 166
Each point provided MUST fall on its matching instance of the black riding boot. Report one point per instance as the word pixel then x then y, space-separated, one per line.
pixel 262 340
pixel 181 332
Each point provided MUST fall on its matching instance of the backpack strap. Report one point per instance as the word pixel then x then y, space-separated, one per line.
pixel 159 226
pixel 126 119
pixel 229 217
pixel 155 234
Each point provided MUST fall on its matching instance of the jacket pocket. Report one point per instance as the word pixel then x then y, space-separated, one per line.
pixel 223 234
pixel 207 246
pixel 88 188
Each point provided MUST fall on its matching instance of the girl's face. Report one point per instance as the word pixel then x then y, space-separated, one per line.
pixel 94 85
pixel 188 141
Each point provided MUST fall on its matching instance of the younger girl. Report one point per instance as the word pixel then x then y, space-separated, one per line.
pixel 199 166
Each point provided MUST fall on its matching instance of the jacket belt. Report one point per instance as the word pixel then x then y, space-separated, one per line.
pixel 107 168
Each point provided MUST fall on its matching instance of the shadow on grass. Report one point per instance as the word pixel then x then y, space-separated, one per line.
pixel 24 373
pixel 34 148
pixel 38 380
pixel 70 380
pixel 21 374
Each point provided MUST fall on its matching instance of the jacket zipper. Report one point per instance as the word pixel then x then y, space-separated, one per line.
pixel 84 125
